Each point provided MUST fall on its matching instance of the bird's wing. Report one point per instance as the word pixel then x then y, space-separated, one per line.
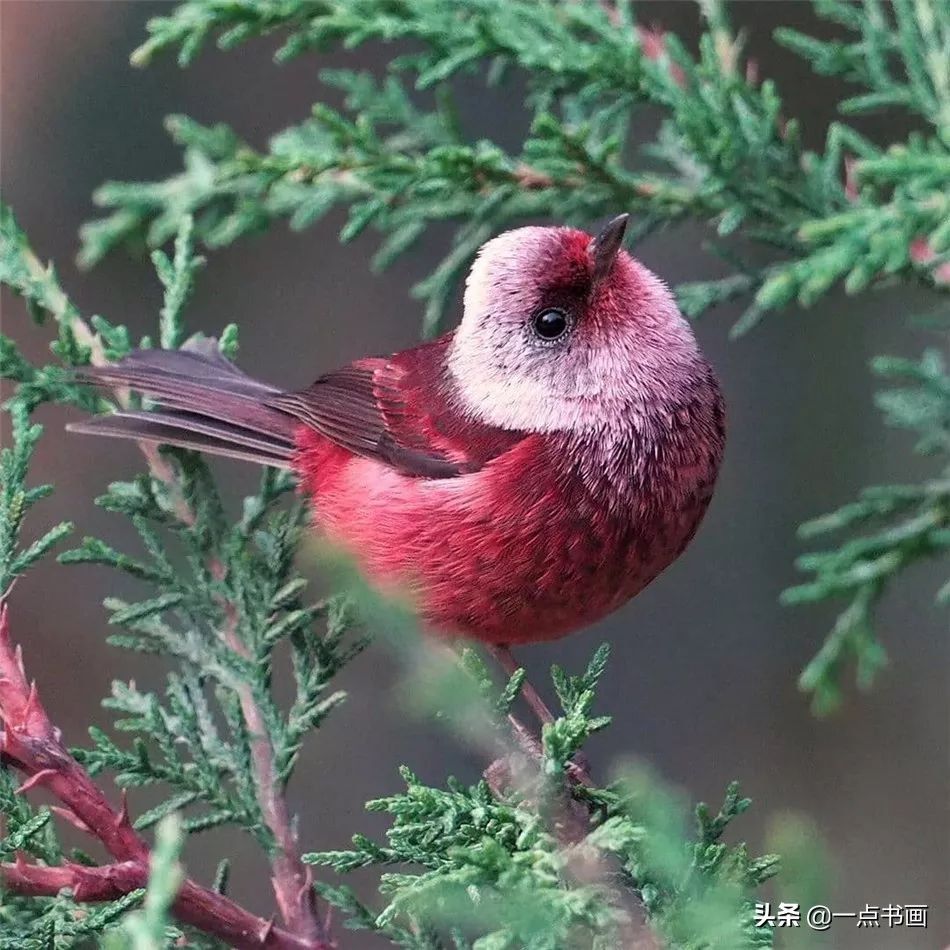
pixel 401 412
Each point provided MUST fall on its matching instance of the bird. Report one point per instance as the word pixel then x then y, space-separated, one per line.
pixel 520 477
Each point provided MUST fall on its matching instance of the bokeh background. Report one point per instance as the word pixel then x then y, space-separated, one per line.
pixel 702 683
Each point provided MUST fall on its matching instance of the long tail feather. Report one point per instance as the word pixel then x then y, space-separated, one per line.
pixel 205 403
pixel 169 430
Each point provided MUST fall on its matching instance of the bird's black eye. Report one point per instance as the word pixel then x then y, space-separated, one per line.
pixel 550 324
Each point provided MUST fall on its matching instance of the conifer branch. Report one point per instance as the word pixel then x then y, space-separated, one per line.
pixel 725 154
pixel 292 880
pixel 106 882
pixel 80 343
pixel 33 745
pixel 892 527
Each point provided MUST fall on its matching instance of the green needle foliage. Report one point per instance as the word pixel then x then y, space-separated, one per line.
pixel 16 500
pixel 894 526
pixel 238 579
pixel 520 869
pixel 790 224
pixel 495 869
pixel 222 596
pixel 724 152
pixel 533 855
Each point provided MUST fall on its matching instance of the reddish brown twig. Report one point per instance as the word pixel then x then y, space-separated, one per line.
pixel 88 884
pixel 578 770
pixel 33 745
pixel 505 659
pixel 292 880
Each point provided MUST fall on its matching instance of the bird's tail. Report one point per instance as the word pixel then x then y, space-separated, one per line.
pixel 203 402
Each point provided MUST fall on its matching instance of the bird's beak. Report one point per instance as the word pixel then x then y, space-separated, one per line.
pixel 603 248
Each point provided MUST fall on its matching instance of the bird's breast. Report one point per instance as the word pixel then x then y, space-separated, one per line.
pixel 534 545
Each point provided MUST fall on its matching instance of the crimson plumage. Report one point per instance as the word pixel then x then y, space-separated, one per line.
pixel 520 486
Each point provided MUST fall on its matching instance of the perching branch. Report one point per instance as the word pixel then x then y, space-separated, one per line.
pixel 33 745
pixel 510 778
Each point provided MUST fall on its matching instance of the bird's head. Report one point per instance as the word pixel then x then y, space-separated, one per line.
pixel 565 331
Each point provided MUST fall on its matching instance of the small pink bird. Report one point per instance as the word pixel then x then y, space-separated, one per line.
pixel 523 475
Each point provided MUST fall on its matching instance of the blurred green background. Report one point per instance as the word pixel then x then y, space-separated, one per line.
pixel 702 682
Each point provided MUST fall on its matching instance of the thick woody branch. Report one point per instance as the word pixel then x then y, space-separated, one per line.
pixel 208 911
pixel 33 745
pixel 87 884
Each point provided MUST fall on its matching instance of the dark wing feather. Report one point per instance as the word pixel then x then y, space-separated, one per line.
pixel 401 412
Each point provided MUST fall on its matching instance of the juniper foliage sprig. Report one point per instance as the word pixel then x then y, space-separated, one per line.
pixel 494 872
pixel 696 889
pixel 239 579
pixel 16 500
pixel 517 859
pixel 485 870
pixel 222 596
pixel 724 153
pixel 894 526
pixel 897 53
pixel 222 617
pixel 76 341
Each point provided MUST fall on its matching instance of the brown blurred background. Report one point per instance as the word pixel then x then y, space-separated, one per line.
pixel 702 683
